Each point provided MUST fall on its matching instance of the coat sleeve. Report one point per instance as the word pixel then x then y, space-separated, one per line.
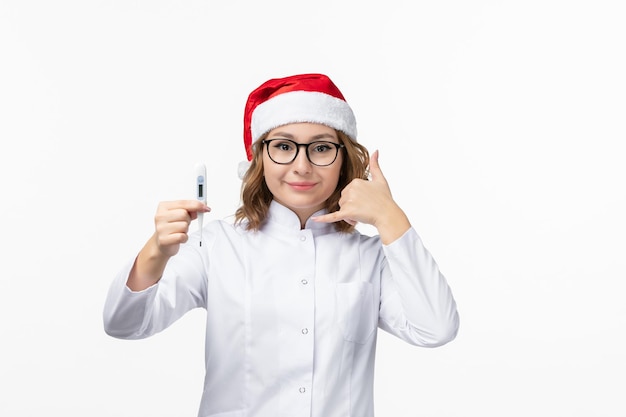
pixel 131 314
pixel 416 302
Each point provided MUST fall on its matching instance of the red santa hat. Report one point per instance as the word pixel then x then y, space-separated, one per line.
pixel 299 98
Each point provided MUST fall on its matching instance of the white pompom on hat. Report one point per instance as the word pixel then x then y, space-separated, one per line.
pixel 312 98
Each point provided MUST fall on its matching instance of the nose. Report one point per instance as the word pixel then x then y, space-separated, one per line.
pixel 301 164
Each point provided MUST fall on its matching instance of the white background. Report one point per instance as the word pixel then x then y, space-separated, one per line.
pixel 500 127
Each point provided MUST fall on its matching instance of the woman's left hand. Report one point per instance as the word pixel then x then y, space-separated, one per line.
pixel 370 202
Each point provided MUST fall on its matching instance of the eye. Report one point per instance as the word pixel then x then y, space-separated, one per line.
pixel 283 145
pixel 321 147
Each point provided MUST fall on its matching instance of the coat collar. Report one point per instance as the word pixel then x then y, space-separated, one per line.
pixel 281 219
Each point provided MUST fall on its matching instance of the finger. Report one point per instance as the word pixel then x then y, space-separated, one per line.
pixel 173 239
pixel 172 228
pixel 173 216
pixel 174 210
pixel 334 217
pixel 191 206
pixel 374 168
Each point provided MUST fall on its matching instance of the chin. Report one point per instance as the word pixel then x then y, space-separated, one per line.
pixel 302 203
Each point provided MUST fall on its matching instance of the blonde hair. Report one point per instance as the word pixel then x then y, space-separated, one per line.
pixel 256 196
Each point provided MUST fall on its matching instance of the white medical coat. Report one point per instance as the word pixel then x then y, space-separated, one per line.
pixel 291 313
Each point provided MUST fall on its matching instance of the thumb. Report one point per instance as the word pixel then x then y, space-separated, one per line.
pixel 374 168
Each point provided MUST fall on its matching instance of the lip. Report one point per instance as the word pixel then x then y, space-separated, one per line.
pixel 301 186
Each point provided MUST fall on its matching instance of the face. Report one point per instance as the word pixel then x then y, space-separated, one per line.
pixel 300 185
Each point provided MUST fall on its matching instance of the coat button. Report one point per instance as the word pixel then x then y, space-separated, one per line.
pixel 305 330
pixel 302 390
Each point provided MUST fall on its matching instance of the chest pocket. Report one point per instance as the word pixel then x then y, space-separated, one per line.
pixel 356 310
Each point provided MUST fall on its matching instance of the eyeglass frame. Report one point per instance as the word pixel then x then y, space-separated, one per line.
pixel 338 146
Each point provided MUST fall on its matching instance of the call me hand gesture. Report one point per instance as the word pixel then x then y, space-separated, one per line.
pixel 370 202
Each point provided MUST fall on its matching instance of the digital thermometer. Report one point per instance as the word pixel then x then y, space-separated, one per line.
pixel 200 174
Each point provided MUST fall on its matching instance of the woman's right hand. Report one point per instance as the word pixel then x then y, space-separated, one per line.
pixel 172 221
pixel 171 226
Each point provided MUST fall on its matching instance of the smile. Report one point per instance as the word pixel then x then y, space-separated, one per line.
pixel 301 186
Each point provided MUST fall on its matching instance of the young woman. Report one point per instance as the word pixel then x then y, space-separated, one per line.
pixel 293 292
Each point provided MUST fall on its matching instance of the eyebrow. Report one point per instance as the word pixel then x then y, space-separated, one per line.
pixel 313 138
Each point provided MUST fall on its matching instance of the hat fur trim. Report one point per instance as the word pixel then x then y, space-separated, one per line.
pixel 303 107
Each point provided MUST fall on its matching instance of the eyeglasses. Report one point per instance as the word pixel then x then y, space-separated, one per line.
pixel 284 151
